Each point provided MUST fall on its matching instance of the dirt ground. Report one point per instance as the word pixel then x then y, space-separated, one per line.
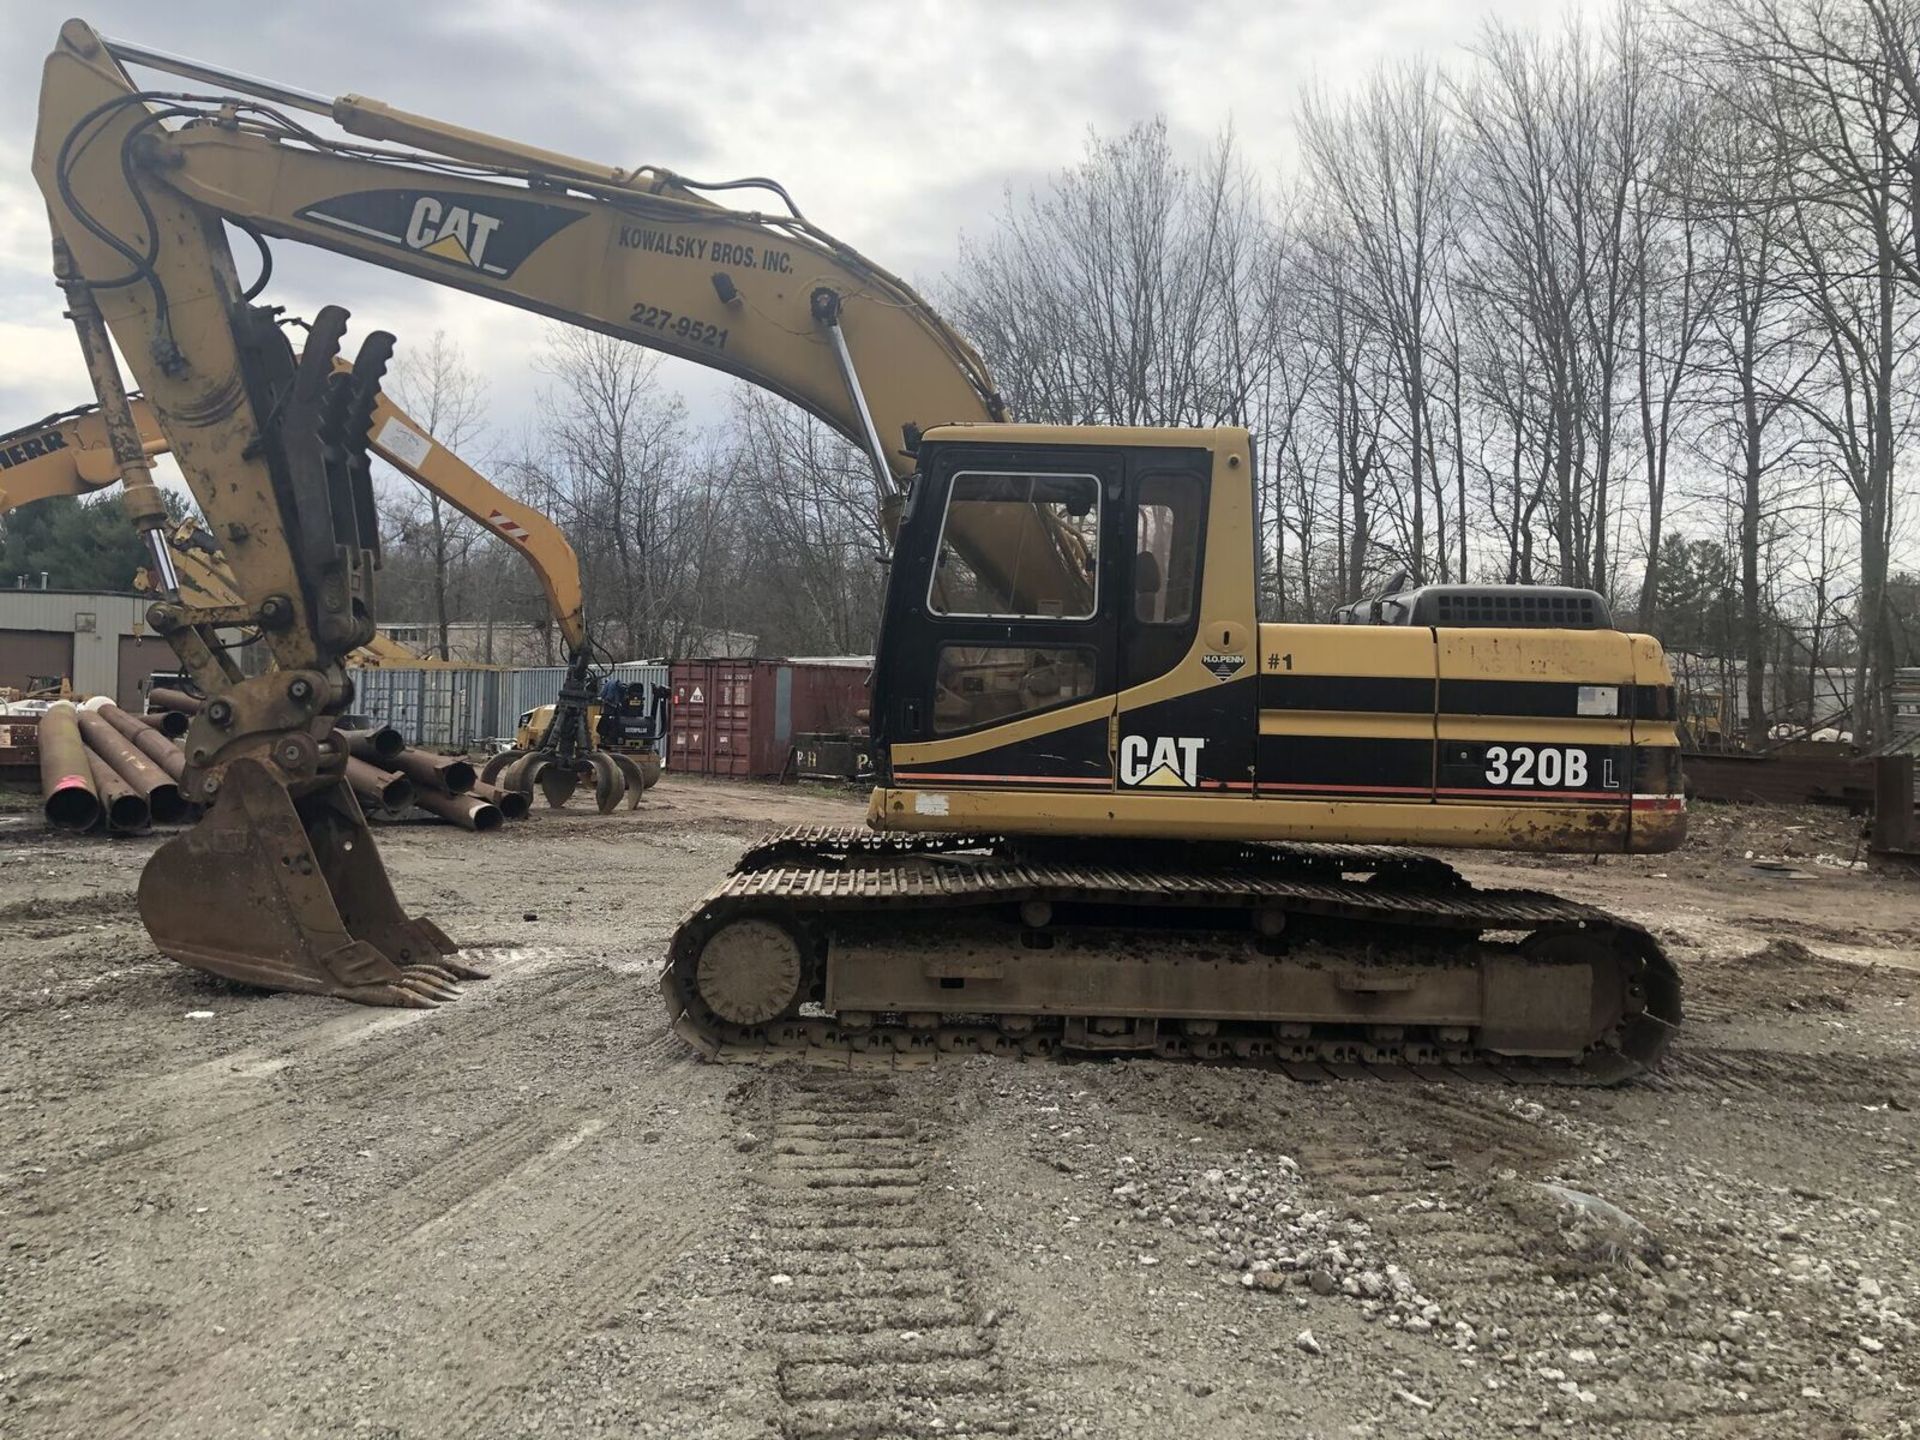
pixel 533 1212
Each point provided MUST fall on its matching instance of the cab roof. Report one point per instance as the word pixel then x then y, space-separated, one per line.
pixel 1222 437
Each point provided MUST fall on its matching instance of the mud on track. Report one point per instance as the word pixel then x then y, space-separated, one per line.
pixel 533 1212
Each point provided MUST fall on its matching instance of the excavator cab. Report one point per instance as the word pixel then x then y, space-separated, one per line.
pixel 1046 602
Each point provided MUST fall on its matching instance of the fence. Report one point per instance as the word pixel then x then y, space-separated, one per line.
pixel 457 708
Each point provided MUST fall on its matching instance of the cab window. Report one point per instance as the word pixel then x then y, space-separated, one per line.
pixel 1018 547
pixel 978 685
pixel 1166 561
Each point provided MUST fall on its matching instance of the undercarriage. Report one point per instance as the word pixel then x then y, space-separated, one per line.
pixel 845 947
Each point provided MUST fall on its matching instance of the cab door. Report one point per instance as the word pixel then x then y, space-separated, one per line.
pixel 998 655
pixel 1188 711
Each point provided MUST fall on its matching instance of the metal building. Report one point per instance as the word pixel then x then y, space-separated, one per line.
pixel 100 642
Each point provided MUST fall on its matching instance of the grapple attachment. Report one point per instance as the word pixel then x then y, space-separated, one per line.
pixel 290 894
pixel 615 776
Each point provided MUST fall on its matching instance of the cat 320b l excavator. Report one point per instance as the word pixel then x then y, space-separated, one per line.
pixel 1114 811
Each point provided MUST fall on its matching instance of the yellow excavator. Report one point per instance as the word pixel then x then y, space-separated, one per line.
pixel 1115 812
pixel 70 454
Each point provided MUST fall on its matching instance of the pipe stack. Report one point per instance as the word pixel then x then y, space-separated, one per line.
pixel 101 767
pixel 442 785
pixel 66 774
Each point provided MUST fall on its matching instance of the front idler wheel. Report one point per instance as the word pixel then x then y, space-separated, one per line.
pixel 750 972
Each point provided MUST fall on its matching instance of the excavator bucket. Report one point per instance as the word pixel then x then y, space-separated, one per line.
pixel 290 894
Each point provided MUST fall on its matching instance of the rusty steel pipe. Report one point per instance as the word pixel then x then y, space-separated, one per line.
pixel 380 788
pixel 511 803
pixel 469 812
pixel 148 780
pixel 177 701
pixel 157 747
pixel 377 746
pixel 449 774
pixel 170 723
pixel 66 776
pixel 126 812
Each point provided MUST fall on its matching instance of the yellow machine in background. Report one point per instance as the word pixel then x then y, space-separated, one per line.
pixel 629 719
pixel 1114 811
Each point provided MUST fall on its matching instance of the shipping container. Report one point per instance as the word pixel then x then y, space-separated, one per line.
pixel 739 717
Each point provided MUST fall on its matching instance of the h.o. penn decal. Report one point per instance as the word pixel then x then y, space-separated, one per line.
pixel 1171 761
pixel 1224 666
pixel 489 233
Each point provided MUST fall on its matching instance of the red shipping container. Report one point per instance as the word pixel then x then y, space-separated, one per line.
pixel 738 717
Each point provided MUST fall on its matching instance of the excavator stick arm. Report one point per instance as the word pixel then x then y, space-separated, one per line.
pixel 273 446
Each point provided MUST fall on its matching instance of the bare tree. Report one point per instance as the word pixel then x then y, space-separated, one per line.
pixel 442 392
pixel 614 464
pixel 1383 163
pixel 1815 79
pixel 1101 298
pixel 815 538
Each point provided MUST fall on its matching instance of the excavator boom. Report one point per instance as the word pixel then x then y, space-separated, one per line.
pixel 645 255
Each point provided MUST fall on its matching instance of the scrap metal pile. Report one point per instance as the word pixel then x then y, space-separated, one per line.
pixel 105 768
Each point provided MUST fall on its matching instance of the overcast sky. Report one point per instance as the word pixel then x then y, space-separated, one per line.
pixel 896 125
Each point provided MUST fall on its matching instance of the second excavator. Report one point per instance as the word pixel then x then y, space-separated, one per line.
pixel 1115 811
pixel 71 454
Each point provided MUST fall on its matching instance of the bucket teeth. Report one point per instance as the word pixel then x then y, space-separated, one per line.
pixel 432 972
pixel 417 979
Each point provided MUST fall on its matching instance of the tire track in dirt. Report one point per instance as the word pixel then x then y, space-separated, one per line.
pixel 875 1328
pixel 205 1365
pixel 1825 1079
pixel 573 1276
pixel 238 1122
pixel 505 1154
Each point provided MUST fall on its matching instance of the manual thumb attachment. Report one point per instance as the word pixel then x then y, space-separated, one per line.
pixel 290 894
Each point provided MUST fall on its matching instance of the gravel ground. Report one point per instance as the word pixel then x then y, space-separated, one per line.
pixel 534 1213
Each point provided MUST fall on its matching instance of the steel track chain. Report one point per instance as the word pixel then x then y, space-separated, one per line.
pixel 830 844
pixel 1268 877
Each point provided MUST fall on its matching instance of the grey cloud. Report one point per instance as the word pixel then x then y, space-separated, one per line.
pixel 897 125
